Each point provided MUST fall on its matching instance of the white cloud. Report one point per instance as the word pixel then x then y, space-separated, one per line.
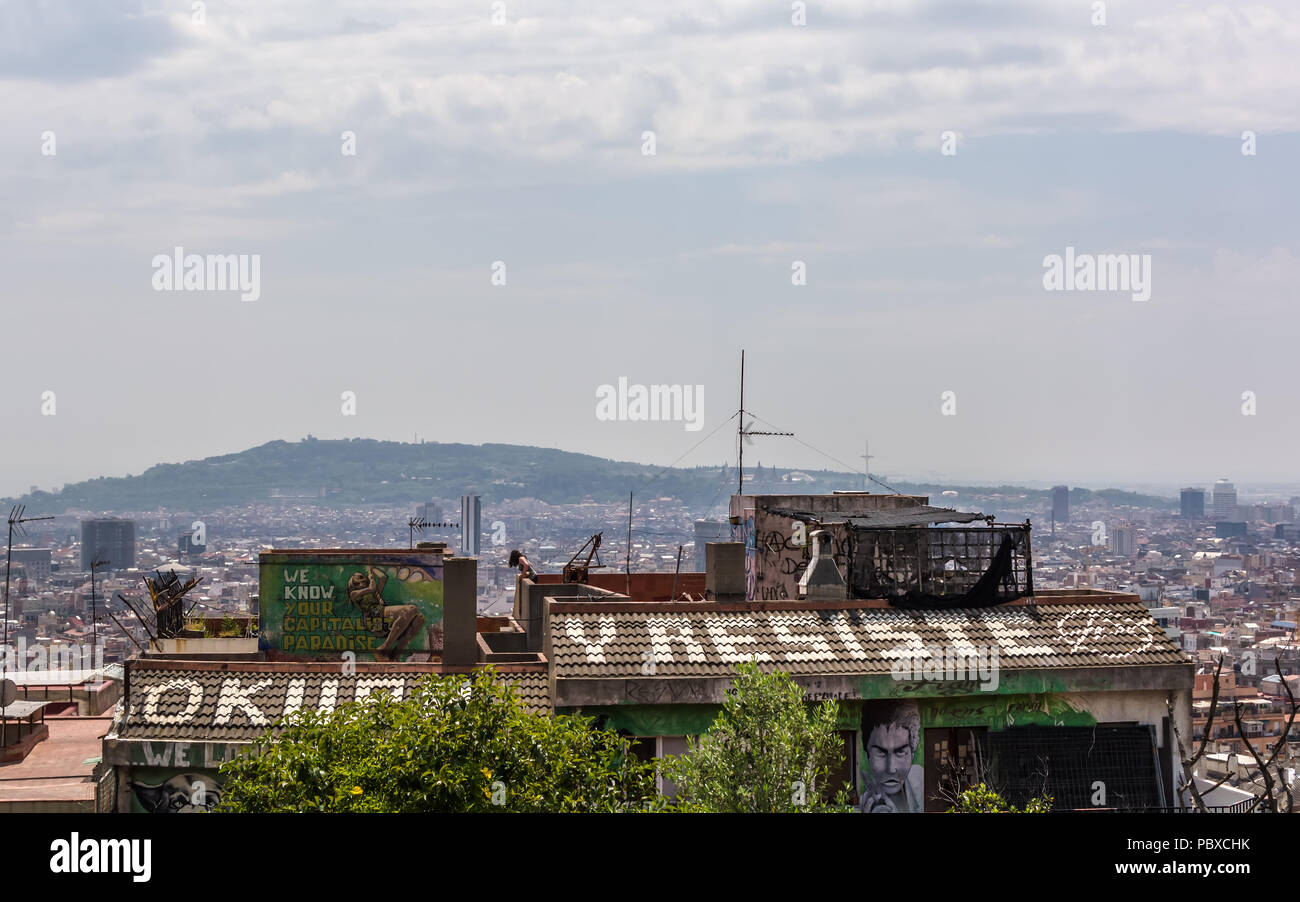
pixel 725 82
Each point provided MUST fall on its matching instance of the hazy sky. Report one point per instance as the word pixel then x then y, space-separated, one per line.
pixel 522 142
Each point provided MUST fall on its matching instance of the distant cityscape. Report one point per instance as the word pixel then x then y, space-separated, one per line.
pixel 1219 572
pixel 1214 568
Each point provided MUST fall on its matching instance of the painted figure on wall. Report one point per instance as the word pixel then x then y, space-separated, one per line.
pixel 182 793
pixel 384 606
pixel 405 620
pixel 890 781
pixel 751 561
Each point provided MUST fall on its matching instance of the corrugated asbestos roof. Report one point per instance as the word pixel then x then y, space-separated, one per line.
pixel 919 515
pixel 235 706
pixel 620 644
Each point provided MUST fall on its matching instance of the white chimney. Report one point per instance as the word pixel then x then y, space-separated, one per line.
pixel 822 581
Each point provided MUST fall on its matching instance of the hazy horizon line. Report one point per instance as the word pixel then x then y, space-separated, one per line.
pixel 1136 485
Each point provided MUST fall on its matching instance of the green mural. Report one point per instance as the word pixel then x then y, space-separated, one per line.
pixel 654 720
pixel 891 768
pixel 1001 712
pixel 382 606
pixel 179 754
pixel 1010 683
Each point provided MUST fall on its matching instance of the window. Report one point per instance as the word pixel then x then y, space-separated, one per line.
pixel 1068 762
pixel 845 773
pixel 644 748
pixel 954 761
pixel 670 745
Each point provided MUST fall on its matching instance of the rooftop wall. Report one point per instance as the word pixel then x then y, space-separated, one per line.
pixel 377 604
pixel 645 586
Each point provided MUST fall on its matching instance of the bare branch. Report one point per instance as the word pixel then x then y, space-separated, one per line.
pixel 1189 763
pixel 1268 778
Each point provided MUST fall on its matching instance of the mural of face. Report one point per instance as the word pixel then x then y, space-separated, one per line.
pixel 891 731
pixel 182 793
pixel 889 752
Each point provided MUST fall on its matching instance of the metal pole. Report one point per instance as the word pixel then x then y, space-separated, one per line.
pixel 16 516
pixel 125 630
pixel 740 431
pixel 628 564
pixel 678 570
pixel 1029 562
pixel 9 551
pixel 139 619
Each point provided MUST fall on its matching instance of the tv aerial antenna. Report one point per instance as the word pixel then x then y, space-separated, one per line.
pixel 97 563
pixel 744 431
pixel 419 524
pixel 17 517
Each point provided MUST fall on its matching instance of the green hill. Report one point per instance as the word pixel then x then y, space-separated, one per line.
pixel 352 471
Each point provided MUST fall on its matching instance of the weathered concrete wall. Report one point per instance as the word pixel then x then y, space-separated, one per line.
pixel 645 586
pixel 773 560
pixel 1102 682
pixel 460 611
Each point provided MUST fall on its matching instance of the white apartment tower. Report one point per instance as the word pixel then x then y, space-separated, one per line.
pixel 469 525
pixel 1225 500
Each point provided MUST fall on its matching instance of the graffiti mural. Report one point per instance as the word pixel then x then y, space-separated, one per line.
pixel 891 779
pixel 747 535
pixel 380 606
pixel 1000 712
pixel 777 553
pixel 154 792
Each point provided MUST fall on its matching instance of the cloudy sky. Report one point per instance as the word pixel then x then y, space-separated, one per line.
pixel 515 132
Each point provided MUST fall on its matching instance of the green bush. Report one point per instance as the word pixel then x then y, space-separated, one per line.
pixel 453 745
pixel 767 751
pixel 980 799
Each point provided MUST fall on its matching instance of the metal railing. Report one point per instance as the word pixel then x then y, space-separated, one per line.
pixel 947 562
pixel 1236 808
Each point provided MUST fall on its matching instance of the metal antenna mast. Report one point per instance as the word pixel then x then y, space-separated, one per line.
pixel 743 431
pixel 16 518
pixel 94 614
pixel 419 524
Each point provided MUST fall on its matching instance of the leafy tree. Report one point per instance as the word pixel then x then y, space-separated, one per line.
pixel 453 745
pixel 767 751
pixel 979 799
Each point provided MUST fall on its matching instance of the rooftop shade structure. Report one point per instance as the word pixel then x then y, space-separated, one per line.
pixel 920 515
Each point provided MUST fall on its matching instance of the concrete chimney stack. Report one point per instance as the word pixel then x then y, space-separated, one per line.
pixel 724 571
pixel 459 611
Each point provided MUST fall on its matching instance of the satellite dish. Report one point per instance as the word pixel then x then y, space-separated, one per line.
pixel 8 692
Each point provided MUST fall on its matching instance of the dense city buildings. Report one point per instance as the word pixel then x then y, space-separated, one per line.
pixel 37 563
pixel 1123 541
pixel 1212 591
pixel 707 531
pixel 961 657
pixel 187 545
